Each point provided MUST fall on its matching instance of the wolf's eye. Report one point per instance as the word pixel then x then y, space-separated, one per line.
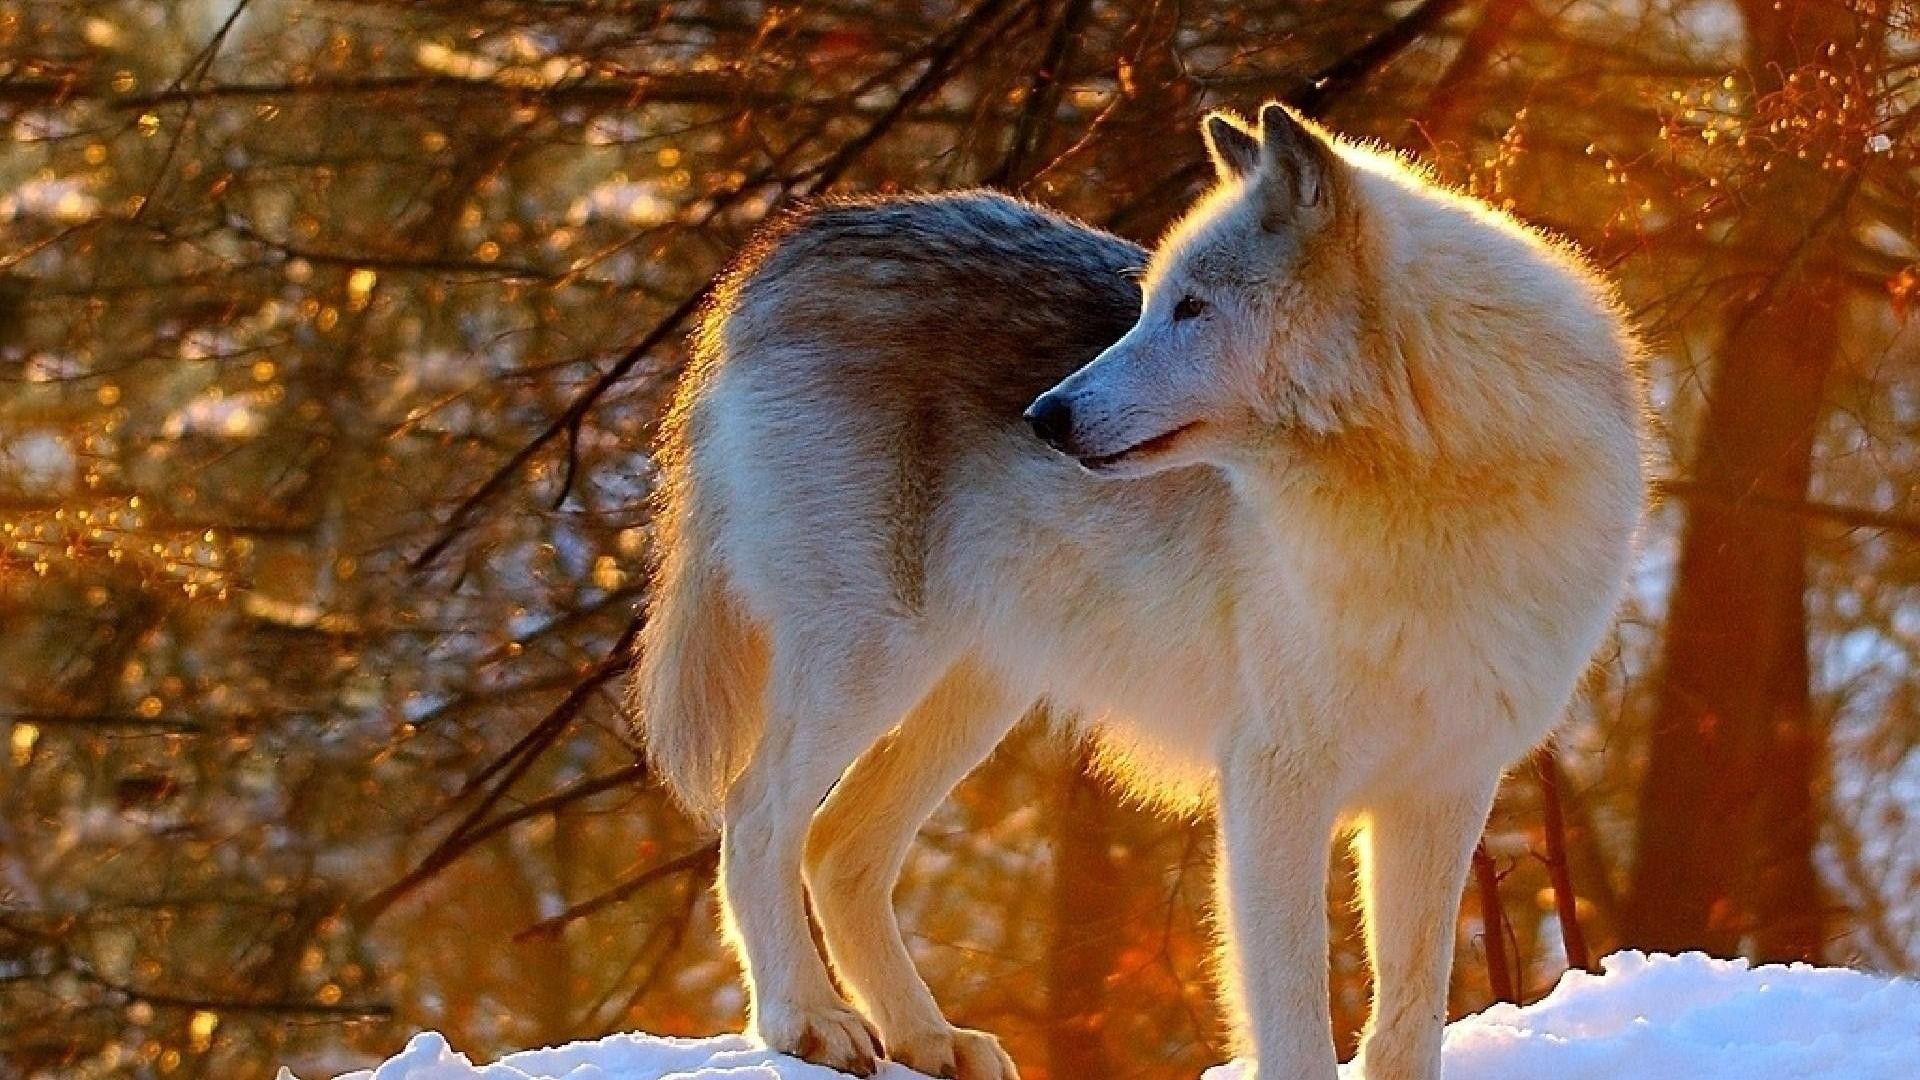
pixel 1188 307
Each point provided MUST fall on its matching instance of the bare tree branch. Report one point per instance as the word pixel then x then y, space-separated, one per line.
pixel 1853 516
pixel 1566 903
pixel 699 860
pixel 1493 927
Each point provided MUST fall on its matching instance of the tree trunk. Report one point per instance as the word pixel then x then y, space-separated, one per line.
pixel 1088 926
pixel 1727 824
pixel 1790 905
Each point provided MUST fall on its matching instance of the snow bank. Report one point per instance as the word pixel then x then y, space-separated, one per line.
pixel 1692 1017
pixel 1652 1017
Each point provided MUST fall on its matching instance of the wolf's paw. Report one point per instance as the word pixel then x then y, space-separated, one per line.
pixel 955 1054
pixel 833 1035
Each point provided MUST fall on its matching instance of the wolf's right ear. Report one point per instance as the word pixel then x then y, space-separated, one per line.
pixel 1300 155
pixel 1298 168
pixel 1235 150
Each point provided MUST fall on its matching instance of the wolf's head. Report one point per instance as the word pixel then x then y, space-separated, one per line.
pixel 1251 310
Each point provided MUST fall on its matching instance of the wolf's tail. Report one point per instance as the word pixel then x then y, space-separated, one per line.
pixel 696 702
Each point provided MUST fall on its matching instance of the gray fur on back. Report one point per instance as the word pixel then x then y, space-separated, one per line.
pixel 1003 297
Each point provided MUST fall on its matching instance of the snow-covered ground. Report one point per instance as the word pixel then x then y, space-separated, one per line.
pixel 1654 1018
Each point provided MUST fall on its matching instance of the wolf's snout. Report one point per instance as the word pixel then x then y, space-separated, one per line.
pixel 1051 419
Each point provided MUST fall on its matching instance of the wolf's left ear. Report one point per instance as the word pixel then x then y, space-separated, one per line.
pixel 1297 165
pixel 1235 150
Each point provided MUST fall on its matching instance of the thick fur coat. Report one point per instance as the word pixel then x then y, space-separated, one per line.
pixel 1316 516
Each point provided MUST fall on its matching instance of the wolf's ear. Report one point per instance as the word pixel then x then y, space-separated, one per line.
pixel 1235 150
pixel 1297 166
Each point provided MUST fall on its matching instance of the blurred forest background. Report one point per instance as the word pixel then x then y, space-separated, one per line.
pixel 332 333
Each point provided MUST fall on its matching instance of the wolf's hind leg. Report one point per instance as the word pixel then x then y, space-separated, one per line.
pixel 1414 853
pixel 822 712
pixel 860 840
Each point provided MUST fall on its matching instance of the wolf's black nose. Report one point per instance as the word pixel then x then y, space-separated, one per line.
pixel 1052 420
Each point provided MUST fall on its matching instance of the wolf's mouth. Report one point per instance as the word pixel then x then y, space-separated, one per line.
pixel 1150 446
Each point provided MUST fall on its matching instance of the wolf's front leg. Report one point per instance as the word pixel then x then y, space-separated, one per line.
pixel 1414 854
pixel 1276 824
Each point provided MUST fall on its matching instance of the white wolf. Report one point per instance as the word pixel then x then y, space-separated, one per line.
pixel 1415 432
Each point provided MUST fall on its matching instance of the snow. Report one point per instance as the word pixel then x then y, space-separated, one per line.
pixel 1645 1016
pixel 1694 1017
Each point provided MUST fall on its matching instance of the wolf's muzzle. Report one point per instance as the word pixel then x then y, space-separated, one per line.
pixel 1051 419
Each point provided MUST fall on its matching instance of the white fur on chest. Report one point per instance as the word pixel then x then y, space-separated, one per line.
pixel 1175 645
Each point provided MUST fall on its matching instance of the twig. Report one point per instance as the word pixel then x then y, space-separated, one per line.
pixel 634 89
pixel 1856 516
pixel 1493 927
pixel 1476 51
pixel 1043 95
pixel 1566 903
pixel 99 721
pixel 575 412
pixel 1314 95
pixel 230 1005
pixel 195 71
pixel 1344 75
pixel 698 860
pixel 462 842
pixel 385 261
pixel 510 766
pixel 939 70
pixel 613 664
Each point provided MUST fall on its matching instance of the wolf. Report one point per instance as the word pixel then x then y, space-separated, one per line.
pixel 1314 516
